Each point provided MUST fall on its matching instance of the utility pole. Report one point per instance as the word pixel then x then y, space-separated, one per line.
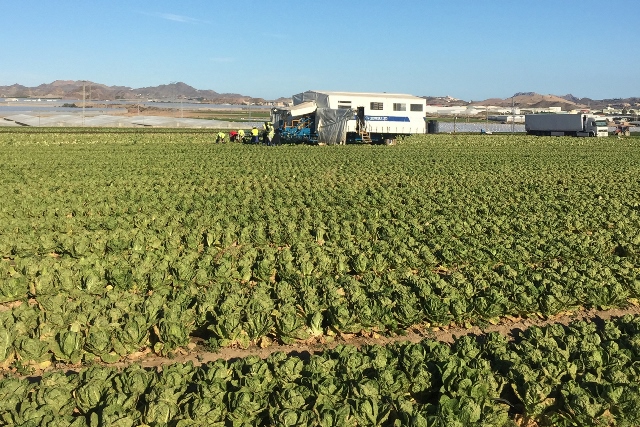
pixel 175 96
pixel 178 95
pixel 83 101
pixel 513 116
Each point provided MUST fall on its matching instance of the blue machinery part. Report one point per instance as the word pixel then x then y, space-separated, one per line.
pixel 300 132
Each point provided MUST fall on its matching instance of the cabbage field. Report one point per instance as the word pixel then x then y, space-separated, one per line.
pixel 119 246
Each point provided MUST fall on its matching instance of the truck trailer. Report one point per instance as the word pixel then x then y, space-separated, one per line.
pixel 340 117
pixel 565 125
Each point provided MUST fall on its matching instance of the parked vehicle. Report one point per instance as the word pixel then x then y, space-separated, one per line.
pixel 623 129
pixel 338 117
pixel 565 125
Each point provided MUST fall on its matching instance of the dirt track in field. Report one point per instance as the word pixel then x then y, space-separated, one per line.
pixel 508 326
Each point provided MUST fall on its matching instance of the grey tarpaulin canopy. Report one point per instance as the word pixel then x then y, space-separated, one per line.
pixel 321 100
pixel 331 125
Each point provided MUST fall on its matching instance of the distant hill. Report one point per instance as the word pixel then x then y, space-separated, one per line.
pixel 445 101
pixel 566 102
pixel 601 103
pixel 72 89
pixel 532 100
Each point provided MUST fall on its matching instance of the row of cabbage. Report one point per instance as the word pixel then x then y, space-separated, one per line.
pixel 117 243
pixel 74 326
pixel 583 374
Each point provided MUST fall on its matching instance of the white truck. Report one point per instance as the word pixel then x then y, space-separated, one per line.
pixel 565 125
pixel 340 117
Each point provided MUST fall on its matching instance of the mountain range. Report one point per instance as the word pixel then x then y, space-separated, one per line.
pixel 536 100
pixel 73 89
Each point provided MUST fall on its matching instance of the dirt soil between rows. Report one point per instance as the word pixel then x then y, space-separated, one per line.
pixel 198 354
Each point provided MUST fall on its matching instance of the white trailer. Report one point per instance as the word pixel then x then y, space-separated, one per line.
pixel 369 117
pixel 565 125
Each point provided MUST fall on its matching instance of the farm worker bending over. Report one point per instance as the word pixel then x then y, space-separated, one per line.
pixel 240 136
pixel 233 136
pixel 220 138
pixel 254 135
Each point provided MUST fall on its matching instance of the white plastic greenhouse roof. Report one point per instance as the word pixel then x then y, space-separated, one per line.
pixel 103 120
pixel 18 118
pixel 4 123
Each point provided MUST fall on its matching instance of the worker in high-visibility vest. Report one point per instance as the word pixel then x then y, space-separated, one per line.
pixel 220 138
pixel 270 132
pixel 240 136
pixel 254 135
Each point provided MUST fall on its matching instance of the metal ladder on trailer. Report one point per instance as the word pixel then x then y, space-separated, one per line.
pixel 361 129
pixel 361 126
pixel 366 138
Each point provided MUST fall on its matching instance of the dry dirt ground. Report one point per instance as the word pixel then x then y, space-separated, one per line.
pixel 198 354
pixel 509 327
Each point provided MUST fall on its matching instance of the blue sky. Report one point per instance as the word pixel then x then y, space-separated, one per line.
pixel 469 49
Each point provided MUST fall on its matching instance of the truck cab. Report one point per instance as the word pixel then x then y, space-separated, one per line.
pixel 594 126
